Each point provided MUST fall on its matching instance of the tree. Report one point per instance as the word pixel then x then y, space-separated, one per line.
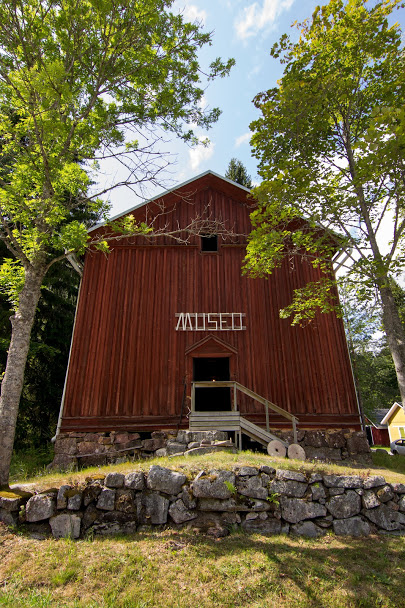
pixel 373 368
pixel 78 78
pixel 331 142
pixel 237 172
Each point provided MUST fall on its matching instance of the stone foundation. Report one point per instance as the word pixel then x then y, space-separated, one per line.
pixel 331 445
pixel 259 500
pixel 96 449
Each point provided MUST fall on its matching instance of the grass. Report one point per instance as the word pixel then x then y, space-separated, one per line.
pixel 392 468
pixel 182 569
pixel 31 462
pixel 186 569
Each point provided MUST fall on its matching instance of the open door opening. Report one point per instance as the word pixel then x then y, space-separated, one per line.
pixel 212 369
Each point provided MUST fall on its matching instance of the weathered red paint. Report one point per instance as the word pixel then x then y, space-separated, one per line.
pixel 128 364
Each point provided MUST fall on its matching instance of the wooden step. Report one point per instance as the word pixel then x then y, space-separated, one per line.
pixel 220 421
pixel 257 433
pixel 230 421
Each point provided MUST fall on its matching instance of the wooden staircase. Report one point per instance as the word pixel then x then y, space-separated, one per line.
pixel 232 420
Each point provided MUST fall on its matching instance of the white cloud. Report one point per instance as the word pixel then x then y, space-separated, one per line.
pixel 200 154
pixel 243 139
pixel 192 13
pixel 256 17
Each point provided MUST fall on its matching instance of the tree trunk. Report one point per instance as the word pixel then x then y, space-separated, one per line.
pixel 395 333
pixel 13 379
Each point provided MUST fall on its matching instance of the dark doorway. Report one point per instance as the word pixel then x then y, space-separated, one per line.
pixel 212 399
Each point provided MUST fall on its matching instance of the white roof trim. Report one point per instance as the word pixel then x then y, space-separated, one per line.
pixel 189 181
pixel 389 413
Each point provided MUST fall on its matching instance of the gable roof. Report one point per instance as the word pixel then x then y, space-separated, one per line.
pixel 376 417
pixel 180 191
pixel 390 413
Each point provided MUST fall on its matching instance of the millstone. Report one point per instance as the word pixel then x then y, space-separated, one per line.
pixel 276 448
pixel 296 452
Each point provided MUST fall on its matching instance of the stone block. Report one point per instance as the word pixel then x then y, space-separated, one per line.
pixel 308 529
pixel 353 526
pixel 152 508
pixel 64 462
pixel 96 460
pixel 267 470
pixel 344 506
pixel 386 518
pixel 399 488
pixel 106 500
pixel 357 444
pixel 343 481
pixel 213 485
pixel 252 487
pixel 135 480
pixel 13 499
pixel 401 504
pixel 92 437
pixel 65 525
pixel 370 500
pixel 179 512
pixel 188 498
pixel 374 482
pixel 91 493
pixel 67 445
pixel 385 493
pixel 335 491
pixel 258 526
pixel 295 510
pixel 61 498
pixel 151 445
pixel 8 518
pixel 75 501
pixel 165 480
pixel 317 491
pixel 284 474
pixel 324 453
pixel 335 439
pixel 248 471
pixel 89 447
pixel 124 501
pixel 114 480
pixel 175 448
pixel 288 488
pixel 315 439
pixel 39 507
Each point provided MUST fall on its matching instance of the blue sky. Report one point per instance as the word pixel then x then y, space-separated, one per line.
pixel 245 30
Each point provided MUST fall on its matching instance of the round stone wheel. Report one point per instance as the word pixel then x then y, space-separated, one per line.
pixel 296 452
pixel 276 448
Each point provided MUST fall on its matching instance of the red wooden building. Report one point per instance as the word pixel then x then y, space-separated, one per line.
pixel 155 314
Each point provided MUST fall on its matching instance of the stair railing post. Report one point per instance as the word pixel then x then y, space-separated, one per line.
pixel 235 403
pixel 267 417
pixel 295 430
pixel 192 397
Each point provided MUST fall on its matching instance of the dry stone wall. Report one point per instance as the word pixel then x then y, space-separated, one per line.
pixel 262 500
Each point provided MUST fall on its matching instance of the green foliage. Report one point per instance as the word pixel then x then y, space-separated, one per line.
pixel 75 79
pixel 230 487
pixel 237 172
pixel 372 363
pixel 330 143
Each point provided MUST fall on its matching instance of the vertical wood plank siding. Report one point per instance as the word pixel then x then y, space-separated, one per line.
pixel 128 363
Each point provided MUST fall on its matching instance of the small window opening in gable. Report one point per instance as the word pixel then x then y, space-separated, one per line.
pixel 209 242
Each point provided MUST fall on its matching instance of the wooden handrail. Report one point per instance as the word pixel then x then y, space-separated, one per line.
pixel 237 386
